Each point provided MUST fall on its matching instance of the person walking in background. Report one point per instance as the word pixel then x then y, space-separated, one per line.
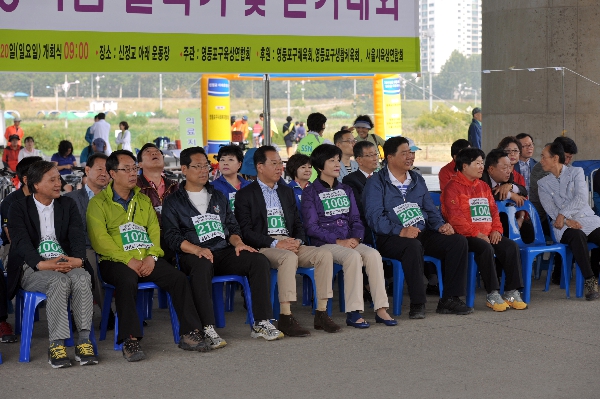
pixel 289 136
pixel 273 126
pixel 300 131
pixel 256 133
pixel 29 150
pixel 124 137
pixel 97 145
pixel 89 135
pixel 64 158
pixel 101 129
pixel 14 129
pixel 475 129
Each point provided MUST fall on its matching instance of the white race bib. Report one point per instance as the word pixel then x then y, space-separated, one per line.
pixel 409 214
pixel 232 201
pixel 49 248
pixel 335 202
pixel 276 222
pixel 208 226
pixel 134 236
pixel 480 210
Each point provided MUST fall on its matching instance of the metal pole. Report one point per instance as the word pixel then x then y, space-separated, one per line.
pixel 289 105
pixel 160 89
pixel 267 109
pixel 56 96
pixel 563 101
pixel 430 74
pixel 355 98
pixel 92 86
pixel 66 103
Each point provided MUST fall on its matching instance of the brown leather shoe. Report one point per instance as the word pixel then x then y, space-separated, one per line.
pixel 324 322
pixel 290 327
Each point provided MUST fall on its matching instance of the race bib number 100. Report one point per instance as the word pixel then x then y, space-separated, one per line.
pixel 276 222
pixel 335 202
pixel 208 226
pixel 134 236
pixel 49 248
pixel 480 210
pixel 409 214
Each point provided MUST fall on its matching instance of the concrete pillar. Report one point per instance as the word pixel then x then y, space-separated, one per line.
pixel 541 33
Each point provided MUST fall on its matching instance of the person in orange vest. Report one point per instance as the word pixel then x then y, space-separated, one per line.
pixel 10 157
pixel 14 129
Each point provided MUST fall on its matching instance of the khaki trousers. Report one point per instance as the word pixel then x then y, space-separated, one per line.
pixel 286 262
pixel 352 261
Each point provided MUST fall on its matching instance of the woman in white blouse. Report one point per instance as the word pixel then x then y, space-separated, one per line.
pixel 564 196
pixel 29 149
pixel 124 138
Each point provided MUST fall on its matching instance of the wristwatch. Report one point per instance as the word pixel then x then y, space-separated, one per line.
pixel 155 258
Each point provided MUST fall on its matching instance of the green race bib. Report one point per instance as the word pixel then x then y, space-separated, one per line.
pixel 49 248
pixel 208 226
pixel 276 222
pixel 134 236
pixel 232 201
pixel 335 202
pixel 480 210
pixel 409 214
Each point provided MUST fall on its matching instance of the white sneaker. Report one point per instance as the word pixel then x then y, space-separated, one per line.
pixel 264 329
pixel 212 338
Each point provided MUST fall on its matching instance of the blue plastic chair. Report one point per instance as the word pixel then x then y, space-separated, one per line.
pixel 565 278
pixel 530 251
pixel 142 309
pixel 436 198
pixel 26 304
pixel 398 278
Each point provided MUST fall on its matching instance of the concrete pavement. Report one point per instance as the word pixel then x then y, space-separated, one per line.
pixel 548 351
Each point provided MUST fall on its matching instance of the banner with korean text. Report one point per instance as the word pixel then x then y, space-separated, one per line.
pixel 190 128
pixel 262 36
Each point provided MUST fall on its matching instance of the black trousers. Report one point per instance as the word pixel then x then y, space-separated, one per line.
pixel 577 242
pixel 167 277
pixel 3 298
pixel 253 265
pixel 451 250
pixel 508 258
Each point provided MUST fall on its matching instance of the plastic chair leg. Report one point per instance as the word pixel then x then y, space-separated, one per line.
pixel 30 303
pixel 274 294
pixel 398 287
pixel 162 299
pixel 148 303
pixel 218 305
pixel 117 346
pixel 471 280
pixel 0 358
pixel 248 297
pixel 306 291
pixel 438 267
pixel 339 271
pixel 579 280
pixel 108 294
pixel 174 319
pixel 18 313
pixel 230 289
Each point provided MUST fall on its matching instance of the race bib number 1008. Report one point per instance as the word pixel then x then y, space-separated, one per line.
pixel 335 202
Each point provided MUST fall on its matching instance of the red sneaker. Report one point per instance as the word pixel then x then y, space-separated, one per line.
pixel 6 333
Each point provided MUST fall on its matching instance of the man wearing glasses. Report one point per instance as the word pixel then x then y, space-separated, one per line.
pixel 367 158
pixel 526 161
pixel 344 139
pixel 124 231
pixel 268 217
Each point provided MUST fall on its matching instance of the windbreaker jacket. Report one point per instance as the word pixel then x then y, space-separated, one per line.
pixel 327 229
pixel 455 206
pixel 104 216
pixel 222 185
pixel 178 211
pixel 380 197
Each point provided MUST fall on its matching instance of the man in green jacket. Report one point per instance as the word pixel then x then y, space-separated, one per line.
pixel 124 231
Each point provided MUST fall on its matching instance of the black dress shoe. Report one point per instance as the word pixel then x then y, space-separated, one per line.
pixel 290 327
pixel 324 322
pixel 417 311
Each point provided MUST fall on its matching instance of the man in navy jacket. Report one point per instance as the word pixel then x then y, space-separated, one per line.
pixel 401 213
pixel 475 129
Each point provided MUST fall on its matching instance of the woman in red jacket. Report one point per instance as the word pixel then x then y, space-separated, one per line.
pixel 469 206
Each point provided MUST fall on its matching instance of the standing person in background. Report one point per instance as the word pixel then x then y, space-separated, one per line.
pixel 241 126
pixel 101 129
pixel 475 129
pixel 10 156
pixel 14 129
pixel 273 126
pixel 29 150
pixel 256 133
pixel 89 135
pixel 64 158
pixel 526 162
pixel 124 138
pixel 363 124
pixel 316 123
pixel 289 136
pixel 97 145
pixel 230 158
pixel 300 131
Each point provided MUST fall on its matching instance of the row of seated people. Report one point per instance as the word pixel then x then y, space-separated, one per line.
pixel 517 176
pixel 198 223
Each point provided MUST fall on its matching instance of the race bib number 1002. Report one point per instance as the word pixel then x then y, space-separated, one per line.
pixel 480 210
pixel 134 236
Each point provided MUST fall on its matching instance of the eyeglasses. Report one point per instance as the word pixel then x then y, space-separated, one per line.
pixel 129 170
pixel 349 141
pixel 527 146
pixel 274 163
pixel 512 151
pixel 201 166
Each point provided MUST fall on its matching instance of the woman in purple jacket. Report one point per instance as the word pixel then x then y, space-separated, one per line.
pixel 332 220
